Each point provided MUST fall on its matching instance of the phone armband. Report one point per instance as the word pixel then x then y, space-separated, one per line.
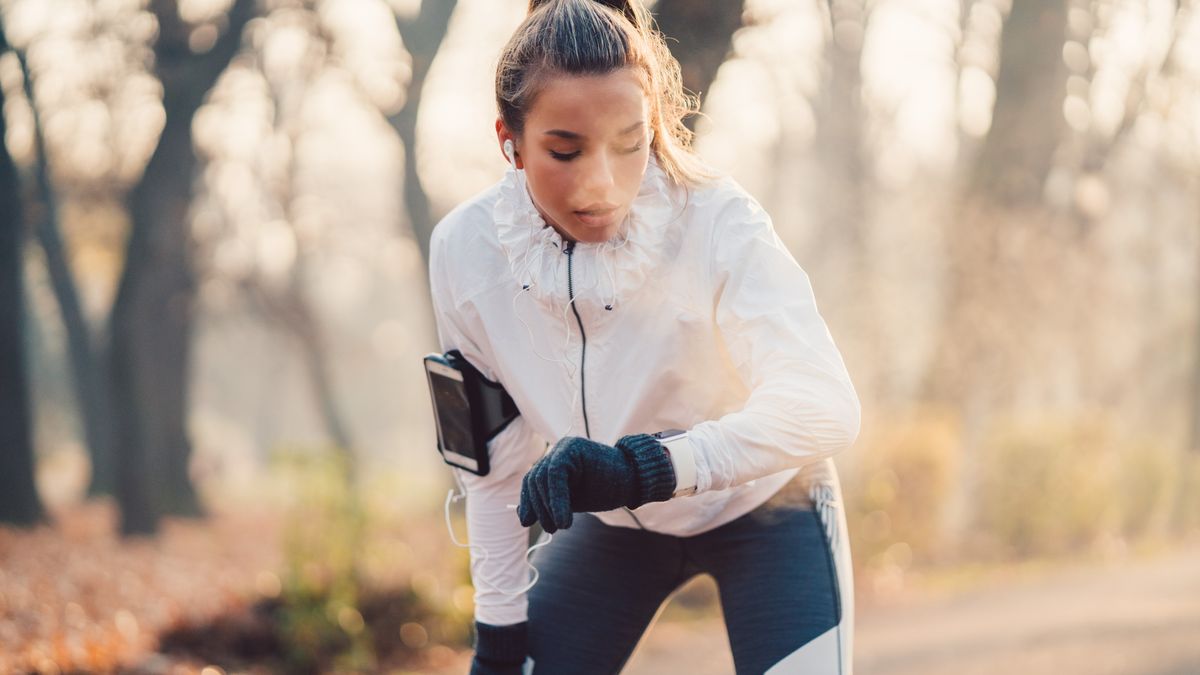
pixel 469 410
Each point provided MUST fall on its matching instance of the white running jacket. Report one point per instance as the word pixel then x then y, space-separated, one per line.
pixel 695 316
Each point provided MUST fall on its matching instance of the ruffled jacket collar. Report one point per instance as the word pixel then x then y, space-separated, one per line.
pixel 603 275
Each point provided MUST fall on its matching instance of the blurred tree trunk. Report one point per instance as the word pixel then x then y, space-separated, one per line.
pixel 151 316
pixel 287 305
pixel 1004 188
pixel 422 37
pixel 290 310
pixel 1027 120
pixel 839 141
pixel 840 194
pixel 19 502
pixel 86 364
pixel 700 36
pixel 989 308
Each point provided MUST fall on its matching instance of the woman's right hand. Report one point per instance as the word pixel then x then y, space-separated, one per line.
pixel 500 650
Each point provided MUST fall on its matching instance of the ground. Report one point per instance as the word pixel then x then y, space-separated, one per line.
pixel 76 595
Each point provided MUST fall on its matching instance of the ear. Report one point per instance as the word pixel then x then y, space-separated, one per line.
pixel 503 135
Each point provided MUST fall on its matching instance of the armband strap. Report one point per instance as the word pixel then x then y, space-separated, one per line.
pixel 492 409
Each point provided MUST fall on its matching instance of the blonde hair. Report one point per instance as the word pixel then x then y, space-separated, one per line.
pixel 595 37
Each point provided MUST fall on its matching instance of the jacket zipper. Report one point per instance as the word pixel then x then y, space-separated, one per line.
pixel 570 251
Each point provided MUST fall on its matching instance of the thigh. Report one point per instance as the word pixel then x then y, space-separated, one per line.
pixel 779 590
pixel 598 589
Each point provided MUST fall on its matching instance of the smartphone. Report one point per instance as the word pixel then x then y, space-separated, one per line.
pixel 457 440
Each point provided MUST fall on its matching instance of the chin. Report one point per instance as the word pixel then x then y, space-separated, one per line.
pixel 597 236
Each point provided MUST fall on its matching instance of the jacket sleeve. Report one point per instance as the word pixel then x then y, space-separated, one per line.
pixel 490 525
pixel 802 406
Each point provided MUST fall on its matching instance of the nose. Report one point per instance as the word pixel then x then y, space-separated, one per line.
pixel 599 178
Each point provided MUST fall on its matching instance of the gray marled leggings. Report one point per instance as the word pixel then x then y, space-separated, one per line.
pixel 600 587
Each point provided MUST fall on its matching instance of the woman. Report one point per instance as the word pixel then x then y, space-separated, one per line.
pixel 618 288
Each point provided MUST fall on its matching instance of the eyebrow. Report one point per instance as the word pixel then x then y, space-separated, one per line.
pixel 563 133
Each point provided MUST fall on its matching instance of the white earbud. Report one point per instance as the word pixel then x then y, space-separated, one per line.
pixel 510 152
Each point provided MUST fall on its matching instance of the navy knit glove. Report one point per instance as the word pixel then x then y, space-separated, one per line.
pixel 579 474
pixel 499 650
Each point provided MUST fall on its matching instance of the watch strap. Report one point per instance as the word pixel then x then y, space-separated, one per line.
pixel 683 460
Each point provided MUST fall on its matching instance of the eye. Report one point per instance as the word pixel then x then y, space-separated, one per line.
pixel 634 149
pixel 564 157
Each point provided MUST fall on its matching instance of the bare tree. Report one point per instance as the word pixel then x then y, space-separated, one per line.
pixel 152 315
pixel 840 121
pixel 423 36
pixel 840 193
pixel 287 306
pixel 1004 185
pixel 86 356
pixel 1027 121
pixel 19 502
pixel 994 302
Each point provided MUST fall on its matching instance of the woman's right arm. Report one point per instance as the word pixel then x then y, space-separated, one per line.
pixel 496 528
pixel 491 526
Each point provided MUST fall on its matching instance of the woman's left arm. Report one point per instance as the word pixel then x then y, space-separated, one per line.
pixel 802 405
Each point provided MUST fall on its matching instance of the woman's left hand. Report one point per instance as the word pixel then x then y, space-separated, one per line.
pixel 579 474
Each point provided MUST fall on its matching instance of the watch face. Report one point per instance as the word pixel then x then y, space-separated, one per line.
pixel 669 434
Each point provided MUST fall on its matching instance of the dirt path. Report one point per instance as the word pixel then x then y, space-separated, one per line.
pixel 1140 615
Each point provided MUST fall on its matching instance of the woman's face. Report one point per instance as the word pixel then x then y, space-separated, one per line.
pixel 584 151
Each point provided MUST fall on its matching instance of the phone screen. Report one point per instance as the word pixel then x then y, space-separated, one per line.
pixel 453 414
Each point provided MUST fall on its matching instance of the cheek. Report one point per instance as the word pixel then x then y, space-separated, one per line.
pixel 631 180
pixel 550 184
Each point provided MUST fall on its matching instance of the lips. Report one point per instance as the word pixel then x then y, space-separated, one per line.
pixel 597 217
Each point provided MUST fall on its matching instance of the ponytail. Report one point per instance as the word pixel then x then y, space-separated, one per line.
pixel 595 37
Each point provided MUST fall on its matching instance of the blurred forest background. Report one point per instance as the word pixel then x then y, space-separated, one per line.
pixel 215 437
